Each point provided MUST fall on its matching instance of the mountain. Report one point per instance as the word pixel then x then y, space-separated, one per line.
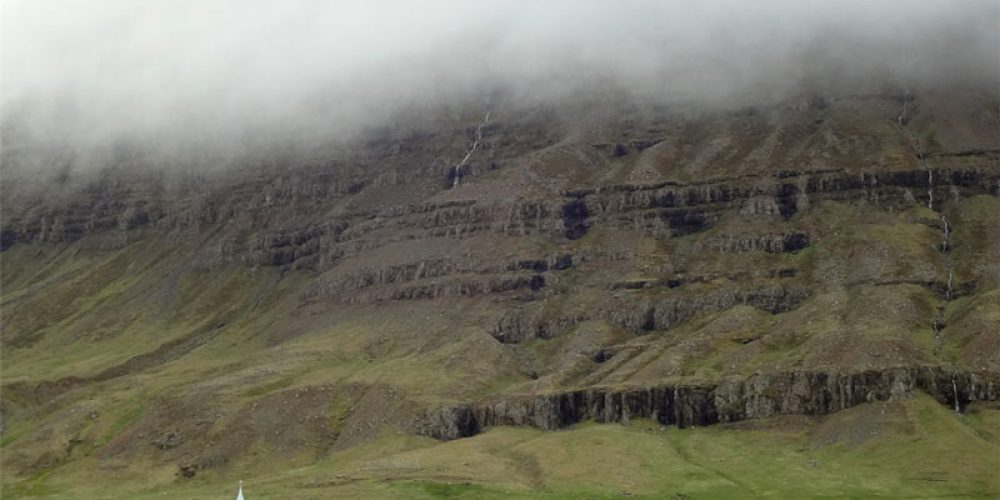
pixel 711 300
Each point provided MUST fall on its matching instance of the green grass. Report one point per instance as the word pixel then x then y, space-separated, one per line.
pixel 923 450
pixel 93 311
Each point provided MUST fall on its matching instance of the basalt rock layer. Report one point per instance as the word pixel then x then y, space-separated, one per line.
pixel 694 404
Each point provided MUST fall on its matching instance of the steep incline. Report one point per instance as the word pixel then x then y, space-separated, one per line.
pixel 605 259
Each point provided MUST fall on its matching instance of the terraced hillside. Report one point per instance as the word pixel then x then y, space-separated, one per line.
pixel 819 277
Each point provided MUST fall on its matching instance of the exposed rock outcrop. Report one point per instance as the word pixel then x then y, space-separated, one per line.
pixel 692 404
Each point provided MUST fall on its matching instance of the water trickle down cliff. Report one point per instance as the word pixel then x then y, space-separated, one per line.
pixel 457 173
pixel 902 120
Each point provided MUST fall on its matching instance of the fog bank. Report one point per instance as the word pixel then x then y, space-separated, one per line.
pixel 221 73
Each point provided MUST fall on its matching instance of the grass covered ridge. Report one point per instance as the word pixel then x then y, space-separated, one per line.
pixel 899 450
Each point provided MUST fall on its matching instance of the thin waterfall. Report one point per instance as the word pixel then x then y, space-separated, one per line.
pixel 954 391
pixel 949 262
pixel 930 182
pixel 947 233
pixel 457 173
pixel 902 120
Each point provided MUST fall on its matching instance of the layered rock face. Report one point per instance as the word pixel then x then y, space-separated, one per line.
pixel 603 260
pixel 687 404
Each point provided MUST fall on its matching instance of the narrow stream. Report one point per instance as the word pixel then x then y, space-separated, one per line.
pixel 475 143
pixel 902 120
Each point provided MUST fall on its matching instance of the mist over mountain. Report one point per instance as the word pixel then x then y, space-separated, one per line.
pixel 374 249
pixel 228 76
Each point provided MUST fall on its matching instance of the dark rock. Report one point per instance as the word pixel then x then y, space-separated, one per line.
pixel 800 392
pixel 794 242
pixel 537 282
pixel 648 320
pixel 685 222
pixel 7 239
pixel 603 355
pixel 355 187
pixel 563 262
pixel 574 216
pixel 786 200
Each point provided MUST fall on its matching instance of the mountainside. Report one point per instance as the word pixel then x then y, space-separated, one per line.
pixel 777 269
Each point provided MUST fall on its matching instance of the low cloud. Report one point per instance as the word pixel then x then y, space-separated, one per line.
pixel 220 73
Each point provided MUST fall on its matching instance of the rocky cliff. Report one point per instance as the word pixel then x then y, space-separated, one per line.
pixel 689 404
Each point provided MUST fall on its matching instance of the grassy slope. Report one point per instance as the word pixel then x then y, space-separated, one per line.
pixel 87 312
pixel 919 449
pixel 71 311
